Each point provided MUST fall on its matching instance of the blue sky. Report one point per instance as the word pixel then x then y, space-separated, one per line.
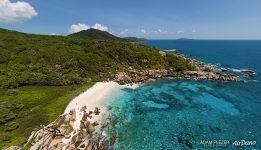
pixel 153 19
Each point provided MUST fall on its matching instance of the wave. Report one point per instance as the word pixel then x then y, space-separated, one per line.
pixel 170 50
pixel 240 70
pixel 236 70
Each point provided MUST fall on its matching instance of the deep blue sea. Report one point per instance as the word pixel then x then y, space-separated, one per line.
pixel 184 114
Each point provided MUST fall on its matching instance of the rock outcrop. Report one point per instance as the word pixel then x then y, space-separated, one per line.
pixel 202 71
pixel 140 76
pixel 61 134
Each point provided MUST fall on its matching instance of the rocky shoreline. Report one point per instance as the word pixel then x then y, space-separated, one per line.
pixel 202 71
pixel 60 134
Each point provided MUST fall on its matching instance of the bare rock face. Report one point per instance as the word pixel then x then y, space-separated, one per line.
pixel 86 116
pixel 13 148
pixel 95 124
pixel 97 111
pixel 122 78
pixel 60 134
pixel 139 76
pixel 90 128
pixel 72 115
pixel 203 75
pixel 83 109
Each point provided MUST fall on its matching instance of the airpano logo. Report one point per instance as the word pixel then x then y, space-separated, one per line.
pixel 243 143
pixel 227 143
pixel 214 143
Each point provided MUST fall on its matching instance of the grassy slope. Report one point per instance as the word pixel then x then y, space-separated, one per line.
pixel 48 71
pixel 135 39
pixel 37 105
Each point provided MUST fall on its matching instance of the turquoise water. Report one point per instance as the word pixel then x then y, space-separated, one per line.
pixel 184 114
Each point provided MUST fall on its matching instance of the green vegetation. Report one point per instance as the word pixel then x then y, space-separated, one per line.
pixel 31 106
pixel 135 39
pixel 93 34
pixel 28 59
pixel 40 74
pixel 178 63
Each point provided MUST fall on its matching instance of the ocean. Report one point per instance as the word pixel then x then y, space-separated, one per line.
pixel 172 114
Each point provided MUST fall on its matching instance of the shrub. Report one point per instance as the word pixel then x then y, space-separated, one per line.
pixel 6 115
pixel 4 137
pixel 12 91
pixel 10 126
pixel 178 63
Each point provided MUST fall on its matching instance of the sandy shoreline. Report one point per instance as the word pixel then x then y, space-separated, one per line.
pixel 94 97
pixel 91 98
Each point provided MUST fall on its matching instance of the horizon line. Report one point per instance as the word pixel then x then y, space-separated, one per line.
pixel 181 38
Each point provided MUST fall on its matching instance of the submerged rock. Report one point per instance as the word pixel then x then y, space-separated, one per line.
pixel 249 73
pixel 185 143
pixel 152 104
pixel 113 139
pixel 215 129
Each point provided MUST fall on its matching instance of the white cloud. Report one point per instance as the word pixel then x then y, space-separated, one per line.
pixel 159 31
pixel 124 31
pixel 143 31
pixel 79 27
pixel 100 27
pixel 163 31
pixel 16 11
pixel 180 31
pixel 193 31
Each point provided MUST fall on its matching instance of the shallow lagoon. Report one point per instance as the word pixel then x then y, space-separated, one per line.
pixel 169 113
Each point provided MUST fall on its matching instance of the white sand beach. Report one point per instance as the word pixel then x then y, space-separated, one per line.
pixel 91 98
pixel 94 97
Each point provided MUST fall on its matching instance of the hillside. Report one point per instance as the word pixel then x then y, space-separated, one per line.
pixel 28 59
pixel 40 74
pixel 94 34
pixel 135 39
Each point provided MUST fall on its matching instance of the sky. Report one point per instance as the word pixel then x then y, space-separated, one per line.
pixel 151 19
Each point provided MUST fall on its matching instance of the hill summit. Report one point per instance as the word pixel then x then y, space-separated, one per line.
pixel 95 34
